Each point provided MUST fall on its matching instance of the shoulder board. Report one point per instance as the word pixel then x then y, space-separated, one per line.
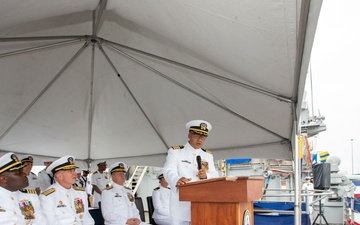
pixel 78 188
pixel 33 173
pixel 207 151
pixel 158 188
pixel 28 191
pixel 127 188
pixel 109 188
pixel 49 191
pixel 94 172
pixel 177 147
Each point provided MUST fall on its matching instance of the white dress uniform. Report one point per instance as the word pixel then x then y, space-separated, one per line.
pixel 88 185
pixel 309 187
pixel 100 180
pixel 118 205
pixel 20 207
pixel 33 181
pixel 44 180
pixel 161 202
pixel 181 162
pixel 83 179
pixel 80 183
pixel 63 206
pixel 32 178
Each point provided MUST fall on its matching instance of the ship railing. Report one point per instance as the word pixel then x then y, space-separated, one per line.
pixel 349 206
pixel 318 195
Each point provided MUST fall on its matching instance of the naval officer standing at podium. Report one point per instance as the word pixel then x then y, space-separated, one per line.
pixel 188 163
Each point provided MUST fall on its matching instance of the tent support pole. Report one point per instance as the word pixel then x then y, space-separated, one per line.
pixel 91 106
pixel 27 50
pixel 43 38
pixel 97 14
pixel 297 178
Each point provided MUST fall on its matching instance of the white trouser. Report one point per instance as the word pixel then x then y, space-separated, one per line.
pixel 163 221
pixel 179 222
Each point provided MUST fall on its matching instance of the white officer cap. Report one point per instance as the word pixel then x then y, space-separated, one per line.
pixel 28 158
pixel 10 162
pixel 103 163
pixel 64 163
pixel 199 126
pixel 118 167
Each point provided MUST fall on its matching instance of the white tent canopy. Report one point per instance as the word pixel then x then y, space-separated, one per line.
pixel 118 80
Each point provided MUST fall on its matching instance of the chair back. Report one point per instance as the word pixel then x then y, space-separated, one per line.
pixel 97 215
pixel 140 207
pixel 150 209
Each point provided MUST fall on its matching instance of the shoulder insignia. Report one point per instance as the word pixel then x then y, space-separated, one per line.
pixel 78 188
pixel 177 147
pixel 49 191
pixel 158 188
pixel 33 173
pixel 28 191
pixel 127 188
pixel 207 151
pixel 94 172
pixel 108 188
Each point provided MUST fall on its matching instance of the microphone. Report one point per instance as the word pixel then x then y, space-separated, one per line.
pixel 198 160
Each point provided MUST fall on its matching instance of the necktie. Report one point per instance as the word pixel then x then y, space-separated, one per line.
pixel 51 179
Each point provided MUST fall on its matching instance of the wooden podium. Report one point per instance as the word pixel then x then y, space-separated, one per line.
pixel 221 201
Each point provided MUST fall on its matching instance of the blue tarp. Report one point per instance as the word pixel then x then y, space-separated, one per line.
pixel 279 219
pixel 356 204
pixel 278 205
pixel 238 161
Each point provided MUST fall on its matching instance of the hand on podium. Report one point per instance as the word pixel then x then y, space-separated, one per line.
pixel 183 180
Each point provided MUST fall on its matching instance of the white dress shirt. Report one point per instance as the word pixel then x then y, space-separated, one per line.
pixel 161 202
pixel 182 163
pixel 63 206
pixel 33 181
pixel 100 180
pixel 118 205
pixel 43 180
pixel 20 208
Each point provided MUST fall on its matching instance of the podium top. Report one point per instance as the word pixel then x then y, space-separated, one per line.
pixel 223 189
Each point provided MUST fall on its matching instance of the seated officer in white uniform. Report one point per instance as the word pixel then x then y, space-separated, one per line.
pixel 118 202
pixel 161 202
pixel 17 205
pixel 33 181
pixel 181 167
pixel 79 182
pixel 63 203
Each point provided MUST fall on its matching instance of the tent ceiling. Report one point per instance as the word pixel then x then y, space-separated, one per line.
pixel 119 79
